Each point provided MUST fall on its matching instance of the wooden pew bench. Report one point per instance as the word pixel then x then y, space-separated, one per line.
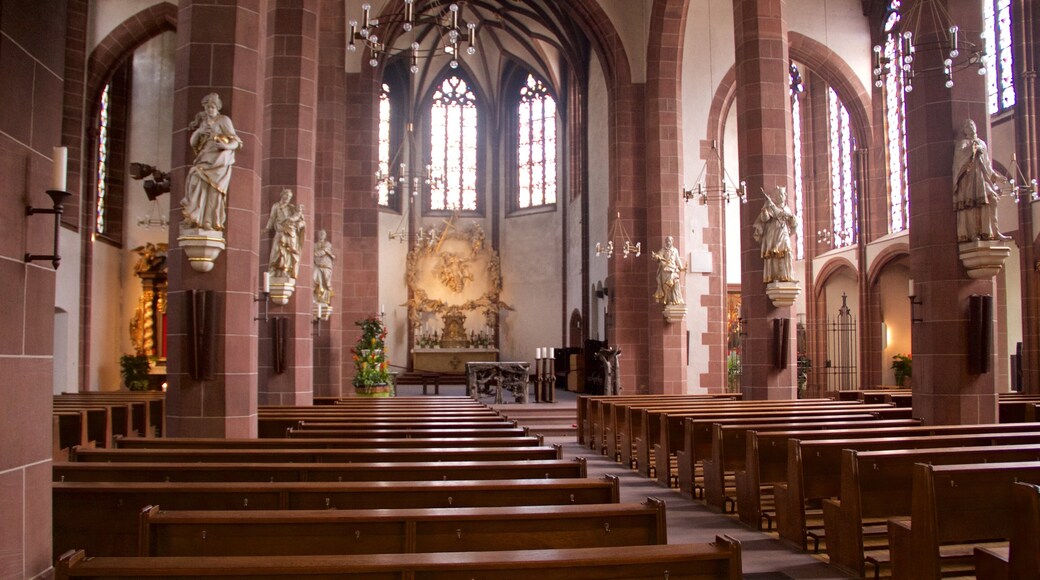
pixel 1022 558
pixel 270 426
pixel 877 485
pixel 420 378
pixel 328 440
pixel 154 402
pixel 955 508
pixel 102 516
pixel 513 438
pixel 327 430
pixel 399 531
pixel 592 410
pixel 338 472
pixel 814 467
pixel 719 560
pixel 315 455
pixel 131 418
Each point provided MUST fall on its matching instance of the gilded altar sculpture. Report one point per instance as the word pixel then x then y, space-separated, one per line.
pixel 147 327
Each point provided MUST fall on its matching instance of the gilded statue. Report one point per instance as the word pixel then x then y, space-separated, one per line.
pixel 773 228
pixel 214 141
pixel 976 188
pixel 287 225
pixel 669 266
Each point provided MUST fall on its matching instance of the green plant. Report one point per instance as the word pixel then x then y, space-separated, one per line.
pixel 134 370
pixel 733 371
pixel 804 366
pixel 370 363
pixel 903 365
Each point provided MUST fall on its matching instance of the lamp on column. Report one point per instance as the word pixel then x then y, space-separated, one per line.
pixel 58 196
pixel 915 301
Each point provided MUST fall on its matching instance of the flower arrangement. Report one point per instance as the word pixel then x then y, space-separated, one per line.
pixel 903 365
pixel 370 364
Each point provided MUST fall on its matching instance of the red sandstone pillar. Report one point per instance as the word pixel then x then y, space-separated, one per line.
pixel 1026 36
pixel 290 114
pixel 220 49
pixel 764 142
pixel 945 392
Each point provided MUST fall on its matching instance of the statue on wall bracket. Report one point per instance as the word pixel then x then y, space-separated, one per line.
pixel 976 192
pixel 287 226
pixel 773 229
pixel 669 291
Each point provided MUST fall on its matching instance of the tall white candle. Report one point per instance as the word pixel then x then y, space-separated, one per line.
pixel 60 168
pixel 910 291
pixel 552 352
pixel 537 353
pixel 267 282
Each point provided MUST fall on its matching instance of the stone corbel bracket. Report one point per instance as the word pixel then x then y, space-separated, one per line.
pixel 783 293
pixel 202 247
pixel 674 312
pixel 282 288
pixel 984 258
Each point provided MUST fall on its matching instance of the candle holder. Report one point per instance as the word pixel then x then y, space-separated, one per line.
pixel 264 297
pixel 58 197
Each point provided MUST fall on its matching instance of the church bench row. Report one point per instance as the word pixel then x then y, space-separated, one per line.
pixel 82 427
pixel 718 561
pixel 1022 557
pixel 328 440
pixel 877 485
pixel 814 467
pixel 954 509
pixel 101 517
pixel 433 435
pixel 766 462
pixel 662 431
pixel 269 426
pixel 154 422
pixel 399 531
pixel 589 409
pixel 338 472
pixel 315 455
pixel 728 451
pixel 869 395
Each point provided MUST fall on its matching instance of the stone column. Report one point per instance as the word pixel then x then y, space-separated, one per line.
pixel 945 392
pixel 764 141
pixel 1026 36
pixel 290 114
pixel 220 49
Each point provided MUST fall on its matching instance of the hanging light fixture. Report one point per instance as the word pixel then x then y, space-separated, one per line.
pixel 405 183
pixel 726 191
pixel 944 55
pixel 625 242
pixel 454 34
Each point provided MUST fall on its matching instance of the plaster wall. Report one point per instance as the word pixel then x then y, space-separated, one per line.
pixel 106 322
pixel 66 298
pixel 895 317
pixel 731 160
pixel 106 15
pixel 840 25
pixel 572 254
pixel 393 289
pixel 1012 277
pixel 599 179
pixel 631 19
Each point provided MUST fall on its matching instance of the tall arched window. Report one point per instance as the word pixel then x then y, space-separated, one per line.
pixel 382 187
pixel 100 222
pixel 1000 64
pixel 799 186
pixel 844 211
pixel 453 146
pixel 895 125
pixel 536 145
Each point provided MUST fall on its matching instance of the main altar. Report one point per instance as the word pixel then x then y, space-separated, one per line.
pixel 454 298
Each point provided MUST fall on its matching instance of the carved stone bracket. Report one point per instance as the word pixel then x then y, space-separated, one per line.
pixel 783 293
pixel 983 259
pixel 282 288
pixel 674 312
pixel 202 247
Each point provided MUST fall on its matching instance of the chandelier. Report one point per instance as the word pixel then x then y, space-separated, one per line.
pixel 725 192
pixel 626 242
pixel 946 54
pixel 405 183
pixel 450 31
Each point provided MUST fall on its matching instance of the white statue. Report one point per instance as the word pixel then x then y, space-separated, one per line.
pixel 976 188
pixel 214 140
pixel 773 228
pixel 323 259
pixel 669 266
pixel 287 223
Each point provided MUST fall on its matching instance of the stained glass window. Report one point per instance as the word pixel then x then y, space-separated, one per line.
pixel 453 146
pixel 844 213
pixel 895 125
pixel 799 188
pixel 382 188
pixel 102 163
pixel 536 150
pixel 1000 62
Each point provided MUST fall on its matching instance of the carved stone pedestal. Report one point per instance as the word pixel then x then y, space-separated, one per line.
pixel 983 259
pixel 674 312
pixel 783 293
pixel 282 288
pixel 201 246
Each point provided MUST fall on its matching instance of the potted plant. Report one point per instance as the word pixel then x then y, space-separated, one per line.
pixel 134 370
pixel 903 365
pixel 371 377
pixel 804 366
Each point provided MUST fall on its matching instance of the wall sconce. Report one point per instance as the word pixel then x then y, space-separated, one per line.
pixel 914 302
pixel 322 312
pixel 265 296
pixel 58 195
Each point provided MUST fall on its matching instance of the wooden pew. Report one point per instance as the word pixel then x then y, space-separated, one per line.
pixel 471 435
pixel 399 531
pixel 130 417
pixel 270 426
pixel 814 465
pixel 876 485
pixel 591 410
pixel 719 560
pixel 338 472
pixel 325 440
pixel 154 401
pixel 78 507
pixel 69 429
pixel 729 450
pixel 1022 560
pixel 316 455
pixel 955 507
pixel 767 463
